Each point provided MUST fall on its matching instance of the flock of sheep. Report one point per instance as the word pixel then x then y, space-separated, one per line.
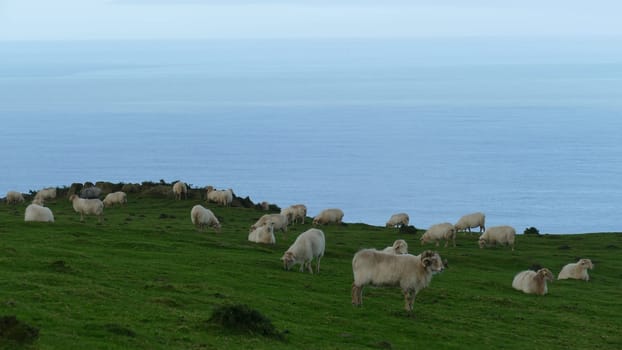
pixel 392 266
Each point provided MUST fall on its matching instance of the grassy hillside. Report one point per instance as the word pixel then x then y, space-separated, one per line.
pixel 146 279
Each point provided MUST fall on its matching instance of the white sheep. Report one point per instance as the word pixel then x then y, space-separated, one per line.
pixel 328 216
pixel 118 197
pixel 532 282
pixel 504 235
pixel 307 246
pixel 398 220
pixel 399 247
pixel 576 270
pixel 202 217
pixel 45 194
pixel 411 273
pixel 87 207
pixel 221 197
pixel 35 212
pixel 295 213
pixel 179 189
pixel 279 222
pixel 471 221
pixel 14 197
pixel 439 232
pixel 263 234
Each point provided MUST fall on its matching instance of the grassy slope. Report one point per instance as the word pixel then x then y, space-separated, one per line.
pixel 147 280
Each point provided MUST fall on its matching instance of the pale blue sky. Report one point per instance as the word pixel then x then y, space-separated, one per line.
pixel 192 19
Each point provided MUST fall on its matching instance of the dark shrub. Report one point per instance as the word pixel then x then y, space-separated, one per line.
pixel 531 231
pixel 241 318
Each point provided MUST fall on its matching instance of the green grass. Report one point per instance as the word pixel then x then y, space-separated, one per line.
pixel 146 279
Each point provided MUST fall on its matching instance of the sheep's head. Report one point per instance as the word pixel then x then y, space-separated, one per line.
pixel 289 259
pixel 400 246
pixel 72 197
pixel 546 274
pixel 432 261
pixel 586 263
pixel 482 242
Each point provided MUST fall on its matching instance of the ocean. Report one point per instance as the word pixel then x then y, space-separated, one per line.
pixel 526 130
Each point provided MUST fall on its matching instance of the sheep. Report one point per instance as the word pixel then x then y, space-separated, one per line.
pixel 295 212
pixel 498 234
pixel 35 212
pixel 115 198
pixel 438 232
pixel 180 188
pixel 411 273
pixel 398 220
pixel 328 216
pixel 14 197
pixel 220 197
pixel 87 207
pixel 263 234
pixel 399 247
pixel 576 270
pixel 470 221
pixel 279 222
pixel 308 245
pixel 46 193
pixel 202 217
pixel 265 206
pixel 532 282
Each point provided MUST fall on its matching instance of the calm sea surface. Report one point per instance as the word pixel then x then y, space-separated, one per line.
pixel 527 131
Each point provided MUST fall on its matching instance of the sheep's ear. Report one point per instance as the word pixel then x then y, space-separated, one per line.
pixel 427 262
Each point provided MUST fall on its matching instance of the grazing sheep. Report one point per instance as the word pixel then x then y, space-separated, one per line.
pixel 308 245
pixel 220 197
pixel 13 197
pixel 263 234
pixel 438 232
pixel 471 221
pixel 45 194
pixel 202 217
pixel 504 235
pixel 531 282
pixel 398 220
pixel 399 247
pixel 115 198
pixel 87 207
pixel 90 192
pixel 328 216
pixel 179 189
pixel 295 212
pixel 411 273
pixel 576 270
pixel 35 212
pixel 279 222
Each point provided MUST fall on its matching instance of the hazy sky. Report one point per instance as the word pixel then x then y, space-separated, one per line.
pixel 188 19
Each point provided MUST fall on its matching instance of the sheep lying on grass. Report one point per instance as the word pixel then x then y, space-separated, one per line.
pixel 38 213
pixel 531 282
pixel 263 234
pixel 576 270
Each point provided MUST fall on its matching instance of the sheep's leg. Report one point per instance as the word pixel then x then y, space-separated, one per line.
pixel 409 299
pixel 357 294
pixel 81 217
pixel 309 267
pixel 318 264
